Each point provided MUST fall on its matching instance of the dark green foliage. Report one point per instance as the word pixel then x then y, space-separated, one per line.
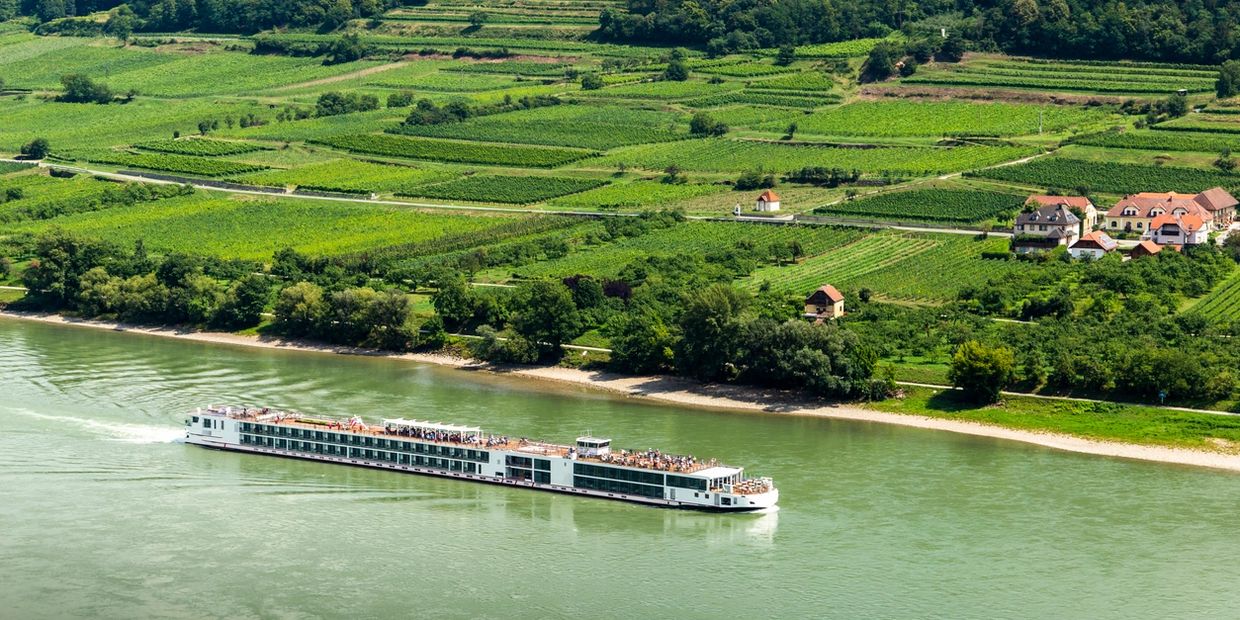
pixel 546 316
pixel 36 149
pixel 710 325
pixel 333 103
pixel 591 81
pixel 1228 84
pixel 826 360
pixel 982 371
pixel 244 302
pixel 347 48
pixel 880 64
pixel 1108 176
pixel 787 55
pixel 702 124
pixel 81 89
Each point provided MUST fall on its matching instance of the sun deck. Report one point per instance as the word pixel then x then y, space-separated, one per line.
pixel 470 436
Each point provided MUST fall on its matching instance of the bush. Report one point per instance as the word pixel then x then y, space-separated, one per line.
pixel 36 149
pixel 81 89
pixel 591 81
pixel 982 371
pixel 705 125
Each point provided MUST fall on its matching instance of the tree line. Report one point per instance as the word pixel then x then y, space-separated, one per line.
pixel 1161 30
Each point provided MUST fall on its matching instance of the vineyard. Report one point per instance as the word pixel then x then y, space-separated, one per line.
pixel 1205 123
pixel 692 238
pixel 925 118
pixel 446 82
pixel 346 175
pixel 814 81
pixel 1109 177
pixel 745 70
pixel 182 164
pixel 1161 141
pixel 255 229
pixel 512 67
pixel 202 147
pixel 664 91
pixel 1112 78
pixel 593 127
pixel 454 151
pixel 910 267
pixel 842 49
pixel 634 195
pixel 505 189
pixel 1222 305
pixel 941 205
pixel 725 155
pixel 797 99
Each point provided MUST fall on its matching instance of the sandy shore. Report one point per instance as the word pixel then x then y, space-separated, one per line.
pixel 677 391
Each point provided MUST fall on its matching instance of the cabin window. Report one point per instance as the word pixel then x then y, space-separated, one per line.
pixel 726 501
pixel 195 420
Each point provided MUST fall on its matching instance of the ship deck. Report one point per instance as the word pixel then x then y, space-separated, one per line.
pixel 644 459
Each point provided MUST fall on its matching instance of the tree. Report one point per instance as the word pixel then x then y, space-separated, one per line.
pixel 36 149
pixel 478 18
pixel 676 70
pixel 121 22
pixel 982 371
pixel 1232 245
pixel 787 55
pixel 880 64
pixel 455 301
pixel 710 328
pixel 300 309
pixel 244 302
pixel 546 316
pixel 80 89
pixel 641 343
pixel 703 124
pixel 591 81
pixel 1225 161
pixel 952 50
pixel 1175 106
pixel 347 48
pixel 1228 83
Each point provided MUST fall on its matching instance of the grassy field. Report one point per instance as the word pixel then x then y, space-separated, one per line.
pixel 923 118
pixel 1114 78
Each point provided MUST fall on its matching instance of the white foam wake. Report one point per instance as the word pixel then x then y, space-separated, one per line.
pixel 113 431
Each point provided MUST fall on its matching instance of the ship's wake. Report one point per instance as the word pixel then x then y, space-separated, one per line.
pixel 113 431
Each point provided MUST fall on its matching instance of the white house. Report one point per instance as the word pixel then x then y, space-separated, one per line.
pixel 768 201
pixel 1093 245
pixel 1173 229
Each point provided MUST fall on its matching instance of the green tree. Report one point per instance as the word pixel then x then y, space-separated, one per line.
pixel 1225 161
pixel 80 89
pixel 982 371
pixel 478 18
pixel 880 64
pixel 710 332
pixel 641 343
pixel 300 309
pixel 347 48
pixel 244 302
pixel 121 22
pixel 676 70
pixel 703 124
pixel 787 55
pixel 591 81
pixel 455 301
pixel 1228 83
pixel 546 316
pixel 36 149
pixel 952 49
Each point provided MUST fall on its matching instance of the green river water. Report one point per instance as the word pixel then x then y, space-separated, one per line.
pixel 105 514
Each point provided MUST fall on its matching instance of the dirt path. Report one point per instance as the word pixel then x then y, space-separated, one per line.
pixel 342 77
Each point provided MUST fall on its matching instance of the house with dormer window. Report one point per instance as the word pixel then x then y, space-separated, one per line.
pixel 1135 213
pixel 1045 228
pixel 1172 229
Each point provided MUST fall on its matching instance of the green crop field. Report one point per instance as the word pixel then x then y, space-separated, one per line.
pixel 454 151
pixel 255 229
pixel 661 90
pixel 1222 305
pixel 182 164
pixel 724 155
pixel 506 189
pixel 227 73
pixel 923 118
pixel 37 196
pixel 1162 141
pixel 813 81
pixel 1063 76
pixel 842 49
pixel 745 70
pixel 607 259
pixel 902 266
pixel 200 146
pixel 941 205
pixel 513 67
pixel 789 99
pixel 586 126
pixel 347 175
pixel 444 82
pixel 635 195
pixel 1109 177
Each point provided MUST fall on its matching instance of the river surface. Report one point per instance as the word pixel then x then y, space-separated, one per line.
pixel 105 514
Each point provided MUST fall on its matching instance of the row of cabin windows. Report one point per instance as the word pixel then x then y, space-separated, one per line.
pixel 528 463
pixel 369 442
pixel 685 482
pixel 613 473
pixel 399 458
pixel 514 473
pixel 617 486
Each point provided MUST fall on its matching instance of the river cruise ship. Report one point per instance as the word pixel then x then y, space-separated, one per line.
pixel 590 467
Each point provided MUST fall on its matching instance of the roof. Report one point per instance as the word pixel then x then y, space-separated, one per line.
pixel 1146 202
pixel 430 426
pixel 768 196
pixel 1187 222
pixel 1215 198
pixel 1055 215
pixel 719 471
pixel 831 292
pixel 1146 248
pixel 1097 240
pixel 1080 202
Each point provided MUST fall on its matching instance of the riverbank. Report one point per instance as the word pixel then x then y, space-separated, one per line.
pixel 1219 452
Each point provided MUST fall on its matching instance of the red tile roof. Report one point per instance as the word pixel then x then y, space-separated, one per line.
pixel 768 196
pixel 1215 198
pixel 1146 202
pixel 1080 202
pixel 1188 222
pixel 832 293
pixel 1097 240
pixel 1146 248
